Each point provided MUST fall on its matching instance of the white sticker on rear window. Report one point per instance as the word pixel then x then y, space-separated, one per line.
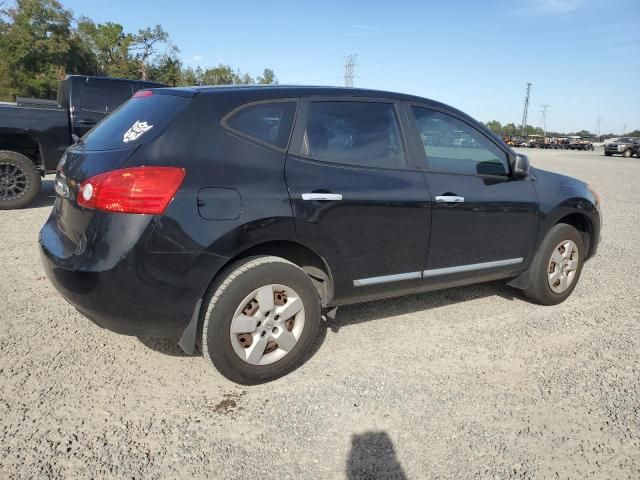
pixel 135 131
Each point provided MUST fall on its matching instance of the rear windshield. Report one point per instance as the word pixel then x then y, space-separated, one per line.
pixel 135 122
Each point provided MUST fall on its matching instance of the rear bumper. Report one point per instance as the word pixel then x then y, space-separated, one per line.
pixel 142 294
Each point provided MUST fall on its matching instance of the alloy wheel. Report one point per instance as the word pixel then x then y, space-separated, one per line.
pixel 13 181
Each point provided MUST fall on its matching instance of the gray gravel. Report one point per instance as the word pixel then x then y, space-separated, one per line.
pixel 466 383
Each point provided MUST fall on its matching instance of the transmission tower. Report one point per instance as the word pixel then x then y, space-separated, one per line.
pixel 523 126
pixel 543 112
pixel 348 70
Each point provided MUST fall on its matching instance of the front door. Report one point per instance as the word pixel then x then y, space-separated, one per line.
pixel 484 221
pixel 354 199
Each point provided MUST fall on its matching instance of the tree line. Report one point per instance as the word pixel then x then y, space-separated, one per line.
pixel 41 42
pixel 512 130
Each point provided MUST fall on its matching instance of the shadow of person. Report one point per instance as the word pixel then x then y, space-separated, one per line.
pixel 372 456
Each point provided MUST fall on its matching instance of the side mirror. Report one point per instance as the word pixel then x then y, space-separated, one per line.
pixel 521 166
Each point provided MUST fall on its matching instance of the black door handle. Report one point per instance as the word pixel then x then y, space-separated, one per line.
pixel 86 122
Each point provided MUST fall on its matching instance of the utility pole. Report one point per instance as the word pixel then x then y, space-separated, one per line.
pixel 599 121
pixel 624 128
pixel 348 70
pixel 523 126
pixel 545 107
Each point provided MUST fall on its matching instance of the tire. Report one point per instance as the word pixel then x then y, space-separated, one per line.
pixel 626 153
pixel 19 180
pixel 608 154
pixel 234 289
pixel 540 290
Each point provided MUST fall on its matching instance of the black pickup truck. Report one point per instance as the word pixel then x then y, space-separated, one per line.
pixel 35 133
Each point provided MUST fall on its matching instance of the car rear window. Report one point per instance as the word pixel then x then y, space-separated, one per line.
pixel 135 122
pixel 268 122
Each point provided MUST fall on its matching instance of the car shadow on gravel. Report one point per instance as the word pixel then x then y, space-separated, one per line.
pixel 378 309
pixel 169 346
pixel 370 311
pixel 372 456
pixel 46 196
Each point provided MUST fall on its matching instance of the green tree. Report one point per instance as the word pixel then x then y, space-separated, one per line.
pixel 510 130
pixel 494 126
pixel 37 49
pixel 168 68
pixel 220 75
pixel 146 44
pixel 109 45
pixel 268 77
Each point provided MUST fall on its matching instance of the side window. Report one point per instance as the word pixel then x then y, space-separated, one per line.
pixel 104 96
pixel 354 133
pixel 266 122
pixel 453 146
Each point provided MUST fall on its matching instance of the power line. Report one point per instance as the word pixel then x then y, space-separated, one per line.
pixel 523 126
pixel 543 112
pixel 348 70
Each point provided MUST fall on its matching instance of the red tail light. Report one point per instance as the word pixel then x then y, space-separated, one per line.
pixel 132 190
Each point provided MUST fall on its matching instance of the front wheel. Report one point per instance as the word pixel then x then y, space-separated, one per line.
pixel 262 319
pixel 19 180
pixel 627 153
pixel 557 266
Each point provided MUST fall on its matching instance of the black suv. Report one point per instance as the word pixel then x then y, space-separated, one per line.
pixel 233 216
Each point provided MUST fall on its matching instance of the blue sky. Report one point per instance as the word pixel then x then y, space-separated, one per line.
pixel 582 56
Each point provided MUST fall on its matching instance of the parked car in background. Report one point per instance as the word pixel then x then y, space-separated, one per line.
pixel 580 143
pixel 625 146
pixel 231 216
pixel 34 133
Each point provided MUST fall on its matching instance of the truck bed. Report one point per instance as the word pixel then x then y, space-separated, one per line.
pixel 47 127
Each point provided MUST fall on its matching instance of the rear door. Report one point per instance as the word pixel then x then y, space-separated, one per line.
pixel 484 221
pixel 355 199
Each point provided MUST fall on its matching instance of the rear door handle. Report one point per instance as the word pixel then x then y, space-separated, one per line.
pixel 321 196
pixel 86 122
pixel 449 199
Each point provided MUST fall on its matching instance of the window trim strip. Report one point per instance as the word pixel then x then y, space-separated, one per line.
pixel 472 267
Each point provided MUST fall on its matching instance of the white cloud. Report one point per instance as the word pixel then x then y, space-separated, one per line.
pixel 193 59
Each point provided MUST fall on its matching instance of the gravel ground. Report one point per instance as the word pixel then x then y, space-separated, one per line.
pixel 472 382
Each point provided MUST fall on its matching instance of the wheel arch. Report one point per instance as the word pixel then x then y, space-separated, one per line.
pixel 24 142
pixel 580 221
pixel 583 224
pixel 304 257
pixel 301 255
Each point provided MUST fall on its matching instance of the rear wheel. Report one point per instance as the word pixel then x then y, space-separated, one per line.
pixel 261 321
pixel 19 180
pixel 557 266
